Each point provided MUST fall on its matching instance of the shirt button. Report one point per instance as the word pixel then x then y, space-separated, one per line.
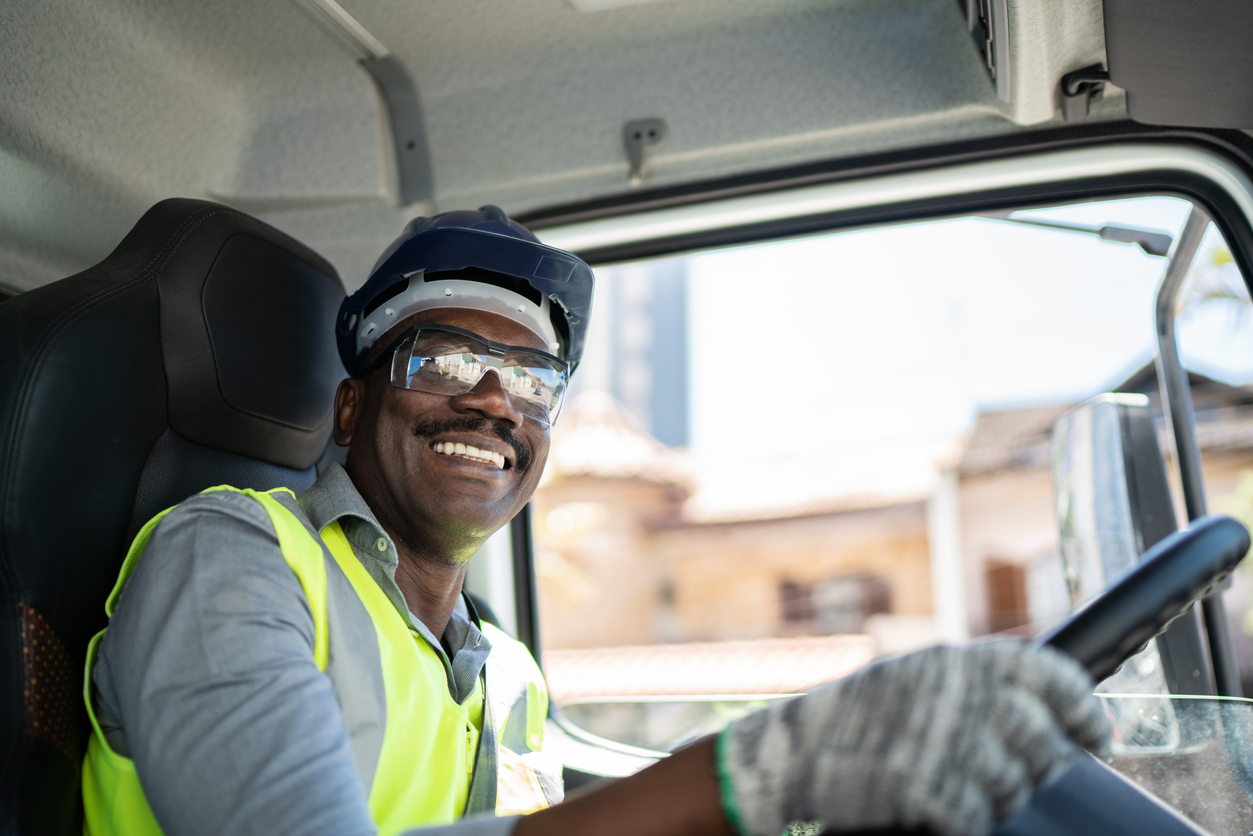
pixel 382 544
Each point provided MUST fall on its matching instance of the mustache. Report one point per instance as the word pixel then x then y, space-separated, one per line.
pixel 474 424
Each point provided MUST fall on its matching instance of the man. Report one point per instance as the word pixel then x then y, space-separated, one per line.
pixel 312 667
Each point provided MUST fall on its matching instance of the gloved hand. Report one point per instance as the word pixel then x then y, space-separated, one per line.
pixel 954 739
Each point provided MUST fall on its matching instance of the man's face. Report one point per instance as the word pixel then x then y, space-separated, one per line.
pixel 436 500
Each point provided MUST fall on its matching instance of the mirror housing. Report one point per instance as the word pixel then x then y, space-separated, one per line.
pixel 1113 504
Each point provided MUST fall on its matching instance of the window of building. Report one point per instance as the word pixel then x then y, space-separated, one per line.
pixel 837 605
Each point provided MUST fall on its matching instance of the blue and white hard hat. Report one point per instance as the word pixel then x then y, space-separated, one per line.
pixel 477 260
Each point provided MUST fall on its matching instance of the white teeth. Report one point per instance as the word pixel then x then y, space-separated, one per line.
pixel 469 452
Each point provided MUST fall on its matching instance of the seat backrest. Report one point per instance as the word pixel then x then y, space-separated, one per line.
pixel 200 352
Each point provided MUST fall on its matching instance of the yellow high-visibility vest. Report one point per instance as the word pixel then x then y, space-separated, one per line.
pixel 426 759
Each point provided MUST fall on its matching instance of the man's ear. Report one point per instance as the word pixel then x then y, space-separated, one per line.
pixel 349 399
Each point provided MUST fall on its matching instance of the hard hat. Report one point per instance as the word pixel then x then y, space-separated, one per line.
pixel 475 259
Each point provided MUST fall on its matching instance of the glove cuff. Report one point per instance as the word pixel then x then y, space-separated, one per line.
pixel 726 787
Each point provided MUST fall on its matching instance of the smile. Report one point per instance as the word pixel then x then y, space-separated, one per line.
pixel 467 451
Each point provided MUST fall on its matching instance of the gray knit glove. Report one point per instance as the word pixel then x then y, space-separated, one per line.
pixel 953 739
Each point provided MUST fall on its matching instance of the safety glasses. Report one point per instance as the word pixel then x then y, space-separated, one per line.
pixel 443 360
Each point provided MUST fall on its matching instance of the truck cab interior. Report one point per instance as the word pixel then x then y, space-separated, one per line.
pixel 189 190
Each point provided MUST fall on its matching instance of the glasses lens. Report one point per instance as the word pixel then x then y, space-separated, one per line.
pixel 442 363
pixel 534 386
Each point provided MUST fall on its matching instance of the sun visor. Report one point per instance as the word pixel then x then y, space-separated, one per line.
pixel 1183 63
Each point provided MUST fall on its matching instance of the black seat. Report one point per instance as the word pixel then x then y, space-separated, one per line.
pixel 200 352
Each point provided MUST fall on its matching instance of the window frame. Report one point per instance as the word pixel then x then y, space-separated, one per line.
pixel 1207 168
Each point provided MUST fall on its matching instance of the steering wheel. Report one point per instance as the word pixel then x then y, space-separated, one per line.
pixel 1089 798
pixel 1172 576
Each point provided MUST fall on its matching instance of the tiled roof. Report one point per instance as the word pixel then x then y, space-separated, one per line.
pixel 1020 437
pixel 1227 428
pixel 595 436
pixel 1011 439
pixel 761 666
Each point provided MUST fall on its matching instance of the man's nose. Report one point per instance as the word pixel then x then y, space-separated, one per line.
pixel 489 399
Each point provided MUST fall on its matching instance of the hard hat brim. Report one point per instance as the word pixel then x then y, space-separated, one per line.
pixel 559 276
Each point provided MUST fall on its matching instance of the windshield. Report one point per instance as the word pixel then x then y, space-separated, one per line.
pixel 781 461
pixel 1194 753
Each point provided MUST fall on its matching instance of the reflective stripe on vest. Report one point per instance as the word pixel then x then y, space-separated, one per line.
pixel 392 691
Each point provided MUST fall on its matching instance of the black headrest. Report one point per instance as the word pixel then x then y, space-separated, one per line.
pixel 201 351
pixel 247 325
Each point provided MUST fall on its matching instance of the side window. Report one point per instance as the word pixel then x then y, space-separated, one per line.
pixel 780 461
pixel 1214 325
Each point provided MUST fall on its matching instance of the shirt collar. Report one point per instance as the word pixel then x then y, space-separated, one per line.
pixel 334 496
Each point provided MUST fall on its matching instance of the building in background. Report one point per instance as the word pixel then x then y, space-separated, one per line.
pixel 640 544
pixel 1010 538
pixel 1010 542
pixel 638 346
pixel 901 542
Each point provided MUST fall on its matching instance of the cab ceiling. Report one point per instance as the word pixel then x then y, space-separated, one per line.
pixel 108 107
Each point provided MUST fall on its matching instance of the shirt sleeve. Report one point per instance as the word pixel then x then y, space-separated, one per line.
pixel 483 824
pixel 206 680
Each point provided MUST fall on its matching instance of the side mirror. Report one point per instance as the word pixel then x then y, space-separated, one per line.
pixel 1113 504
pixel 1109 482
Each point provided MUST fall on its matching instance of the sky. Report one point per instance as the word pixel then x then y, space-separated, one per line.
pixel 908 332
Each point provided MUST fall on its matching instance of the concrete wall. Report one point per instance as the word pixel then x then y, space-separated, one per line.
pixel 612 571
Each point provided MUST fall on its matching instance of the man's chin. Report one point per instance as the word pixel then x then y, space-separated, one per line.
pixel 466 515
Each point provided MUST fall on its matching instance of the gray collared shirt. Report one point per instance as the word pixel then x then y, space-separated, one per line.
pixel 334 497
pixel 206 676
